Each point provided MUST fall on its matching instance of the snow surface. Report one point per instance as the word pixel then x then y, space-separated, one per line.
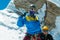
pixel 10 31
pixel 57 2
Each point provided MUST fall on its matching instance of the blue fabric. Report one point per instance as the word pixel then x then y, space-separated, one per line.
pixel 3 4
pixel 20 22
pixel 33 27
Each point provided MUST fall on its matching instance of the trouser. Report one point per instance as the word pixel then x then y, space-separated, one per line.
pixel 32 37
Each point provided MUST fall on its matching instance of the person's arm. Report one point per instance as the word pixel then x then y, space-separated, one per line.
pixel 50 37
pixel 20 22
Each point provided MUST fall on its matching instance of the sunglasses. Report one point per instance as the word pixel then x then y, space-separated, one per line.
pixel 45 30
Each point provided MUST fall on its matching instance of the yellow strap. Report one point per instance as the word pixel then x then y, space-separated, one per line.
pixel 29 18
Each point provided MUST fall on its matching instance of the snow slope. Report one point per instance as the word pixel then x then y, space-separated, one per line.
pixel 8 28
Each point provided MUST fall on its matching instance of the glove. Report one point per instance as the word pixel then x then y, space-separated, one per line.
pixel 24 14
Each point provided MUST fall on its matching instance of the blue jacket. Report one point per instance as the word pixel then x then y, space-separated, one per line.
pixel 33 27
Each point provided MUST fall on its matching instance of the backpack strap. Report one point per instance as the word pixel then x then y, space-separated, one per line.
pixel 29 18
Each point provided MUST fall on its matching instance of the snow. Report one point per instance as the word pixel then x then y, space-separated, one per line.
pixel 56 31
pixel 8 19
pixel 6 34
pixel 57 2
pixel 8 28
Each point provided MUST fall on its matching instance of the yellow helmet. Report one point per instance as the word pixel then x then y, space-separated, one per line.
pixel 45 28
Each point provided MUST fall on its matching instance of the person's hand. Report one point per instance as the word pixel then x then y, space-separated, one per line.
pixel 24 14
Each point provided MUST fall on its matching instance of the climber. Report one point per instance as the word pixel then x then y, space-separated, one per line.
pixel 44 35
pixel 32 25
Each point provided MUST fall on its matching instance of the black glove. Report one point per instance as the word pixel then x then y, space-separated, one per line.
pixel 24 14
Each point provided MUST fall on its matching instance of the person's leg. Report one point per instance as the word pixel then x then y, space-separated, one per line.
pixel 34 37
pixel 38 37
pixel 27 37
